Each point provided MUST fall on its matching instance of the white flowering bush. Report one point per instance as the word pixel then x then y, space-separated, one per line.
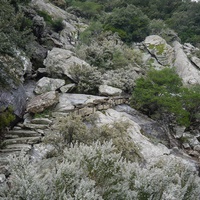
pixel 107 52
pixel 123 78
pixel 87 78
pixel 97 171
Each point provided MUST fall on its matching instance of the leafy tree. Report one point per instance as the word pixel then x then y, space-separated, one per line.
pixel 92 31
pixel 86 9
pixel 159 93
pixel 186 22
pixel 129 22
pixel 190 98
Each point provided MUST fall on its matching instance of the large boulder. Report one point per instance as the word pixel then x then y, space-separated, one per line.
pixel 46 84
pixel 38 55
pixel 147 149
pixel 69 35
pixel 64 104
pixel 188 72
pixel 14 98
pixel 59 61
pixel 83 99
pixel 159 49
pixel 196 61
pixel 52 10
pixel 109 90
pixel 41 102
pixel 67 88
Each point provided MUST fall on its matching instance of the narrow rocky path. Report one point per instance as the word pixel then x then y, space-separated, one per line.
pixel 30 132
pixel 22 137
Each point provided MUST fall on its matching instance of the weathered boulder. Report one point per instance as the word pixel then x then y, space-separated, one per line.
pixel 159 49
pixel 59 61
pixel 41 102
pixel 150 128
pixel 64 104
pixel 51 9
pixel 45 121
pixel 38 55
pixel 15 98
pixel 189 48
pixel 190 139
pixel 195 61
pixel 109 91
pixel 189 73
pixel 82 99
pixel 142 143
pixel 67 88
pixel 2 178
pixel 69 35
pixel 46 84
pixel 29 87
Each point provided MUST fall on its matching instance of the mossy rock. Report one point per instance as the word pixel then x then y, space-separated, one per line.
pixel 159 48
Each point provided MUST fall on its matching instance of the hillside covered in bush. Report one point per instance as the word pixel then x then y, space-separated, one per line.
pixel 99 99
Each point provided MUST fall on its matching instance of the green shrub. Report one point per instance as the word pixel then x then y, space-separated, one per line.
pixel 129 22
pixel 159 93
pixel 47 18
pixel 92 31
pixel 15 29
pixel 58 25
pixel 6 117
pixel 86 9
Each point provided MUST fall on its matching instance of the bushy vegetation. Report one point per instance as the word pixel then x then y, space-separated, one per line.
pixel 131 19
pixel 123 78
pixel 6 117
pixel 87 78
pixel 182 16
pixel 15 28
pixel 87 9
pixel 107 52
pixel 56 24
pixel 75 129
pixel 129 22
pixel 161 93
pixel 97 171
pixel 15 36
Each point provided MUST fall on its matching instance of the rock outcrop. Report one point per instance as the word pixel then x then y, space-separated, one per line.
pixel 41 102
pixel 59 61
pixel 15 98
pixel 109 91
pixel 196 61
pixel 46 84
pixel 159 48
pixel 147 149
pixel 188 72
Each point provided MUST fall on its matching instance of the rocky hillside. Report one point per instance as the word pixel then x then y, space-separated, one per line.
pixel 69 92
